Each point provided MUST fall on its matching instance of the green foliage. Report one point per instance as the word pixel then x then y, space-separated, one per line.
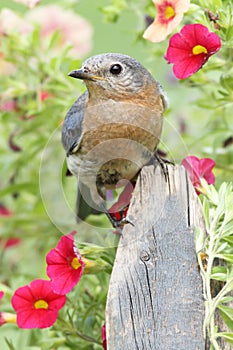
pixel 216 243
pixel 113 11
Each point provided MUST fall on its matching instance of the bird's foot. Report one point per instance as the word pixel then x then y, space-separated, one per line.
pixel 162 163
pixel 119 219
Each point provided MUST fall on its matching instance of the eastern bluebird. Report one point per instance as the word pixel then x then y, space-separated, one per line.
pixel 112 130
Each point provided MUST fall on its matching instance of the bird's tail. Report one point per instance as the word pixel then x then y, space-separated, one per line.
pixel 84 203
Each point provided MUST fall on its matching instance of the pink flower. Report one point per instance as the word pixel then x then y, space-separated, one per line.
pixel 10 21
pixel 74 29
pixel 189 49
pixel 7 317
pixel 8 106
pixel 104 338
pixel 65 266
pixel 169 15
pixel 199 169
pixel 37 305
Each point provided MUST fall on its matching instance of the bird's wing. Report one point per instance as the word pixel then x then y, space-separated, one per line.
pixel 71 138
pixel 72 126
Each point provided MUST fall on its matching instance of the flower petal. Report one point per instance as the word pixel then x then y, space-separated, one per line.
pixel 187 67
pixel 62 271
pixel 156 32
pixel 199 169
pixel 165 22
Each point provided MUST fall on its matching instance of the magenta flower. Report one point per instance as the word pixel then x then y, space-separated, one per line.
pixel 37 305
pixel 104 338
pixel 189 49
pixel 169 15
pixel 65 266
pixel 10 242
pixel 199 169
pixel 4 211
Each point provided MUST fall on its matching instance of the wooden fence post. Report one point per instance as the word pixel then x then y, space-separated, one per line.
pixel 155 296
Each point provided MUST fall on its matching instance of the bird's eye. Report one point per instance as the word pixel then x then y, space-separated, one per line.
pixel 115 69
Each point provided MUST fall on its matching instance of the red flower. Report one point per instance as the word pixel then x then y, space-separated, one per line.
pixel 104 339
pixel 37 305
pixel 119 210
pixel 65 266
pixel 190 49
pixel 44 95
pixel 199 169
pixel 4 211
pixel 10 241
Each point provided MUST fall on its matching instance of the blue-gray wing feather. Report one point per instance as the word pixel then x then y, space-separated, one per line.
pixel 73 124
pixel 71 138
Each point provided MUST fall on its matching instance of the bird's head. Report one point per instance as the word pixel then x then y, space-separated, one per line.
pixel 114 75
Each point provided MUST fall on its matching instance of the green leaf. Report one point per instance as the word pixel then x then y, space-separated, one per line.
pixel 55 38
pixel 227 314
pixel 112 12
pixel 200 238
pixel 219 273
pixel 226 335
pixel 222 247
pixel 227 257
pixel 206 208
pixel 10 344
pixel 226 299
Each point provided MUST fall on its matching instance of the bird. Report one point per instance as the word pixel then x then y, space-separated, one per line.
pixel 113 129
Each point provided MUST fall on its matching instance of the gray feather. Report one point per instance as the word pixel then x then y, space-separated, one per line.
pixel 83 207
pixel 72 126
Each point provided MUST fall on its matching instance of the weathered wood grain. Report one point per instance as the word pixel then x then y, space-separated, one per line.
pixel 155 296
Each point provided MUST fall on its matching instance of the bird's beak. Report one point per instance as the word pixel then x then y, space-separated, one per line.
pixel 80 74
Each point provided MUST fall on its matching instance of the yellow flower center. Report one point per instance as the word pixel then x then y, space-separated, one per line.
pixel 75 263
pixel 41 304
pixel 199 49
pixel 169 12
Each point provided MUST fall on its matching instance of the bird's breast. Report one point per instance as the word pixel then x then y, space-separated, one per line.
pixel 111 120
pixel 118 140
